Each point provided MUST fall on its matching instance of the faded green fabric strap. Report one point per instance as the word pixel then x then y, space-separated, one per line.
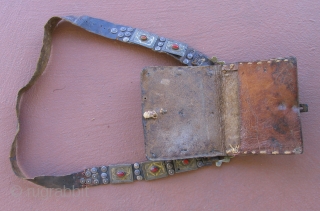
pixel 104 174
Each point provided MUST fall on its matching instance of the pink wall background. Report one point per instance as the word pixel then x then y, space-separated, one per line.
pixel 85 110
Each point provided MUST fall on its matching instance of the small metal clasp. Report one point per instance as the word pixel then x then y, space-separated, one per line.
pixel 224 160
pixel 303 107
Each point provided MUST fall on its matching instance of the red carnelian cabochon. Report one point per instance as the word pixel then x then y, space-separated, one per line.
pixel 175 46
pixel 185 161
pixel 154 169
pixel 121 174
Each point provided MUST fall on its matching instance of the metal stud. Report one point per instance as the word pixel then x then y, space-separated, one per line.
pixel 144 38
pixel 88 174
pixel 139 177
pixel 160 44
pixel 185 165
pixel 104 175
pixel 127 34
pixel 82 180
pixel 190 55
pixel 129 29
pixel 94 176
pixel 104 169
pixel 136 165
pixel 123 29
pixel 157 48
pixel 154 170
pixel 114 30
pixel 105 181
pixel 162 39
pixel 200 163
pixel 94 170
pixel 136 172
pixel 185 61
pixel 96 181
pixel 171 172
pixel 175 48
pixel 169 166
pixel 120 34
pixel 125 39
pixel 120 173
pixel 88 181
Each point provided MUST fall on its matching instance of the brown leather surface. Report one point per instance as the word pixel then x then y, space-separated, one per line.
pixel 92 68
pixel 270 115
pixel 192 124
pixel 242 108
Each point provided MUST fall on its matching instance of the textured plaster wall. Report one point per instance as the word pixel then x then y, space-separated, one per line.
pixel 85 110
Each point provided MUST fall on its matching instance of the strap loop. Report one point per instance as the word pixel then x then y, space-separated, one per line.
pixel 178 50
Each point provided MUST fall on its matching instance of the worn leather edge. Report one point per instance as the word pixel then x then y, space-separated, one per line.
pixel 41 65
pixel 231 111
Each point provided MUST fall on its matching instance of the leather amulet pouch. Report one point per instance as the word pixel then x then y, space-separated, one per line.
pixel 194 115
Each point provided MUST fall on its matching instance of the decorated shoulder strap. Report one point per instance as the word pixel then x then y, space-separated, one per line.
pixel 122 173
